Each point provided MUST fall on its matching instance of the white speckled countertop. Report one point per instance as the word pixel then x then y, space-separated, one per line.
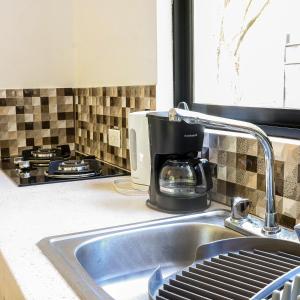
pixel 28 214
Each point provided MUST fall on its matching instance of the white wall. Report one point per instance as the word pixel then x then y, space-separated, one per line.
pixel 164 87
pixel 116 42
pixel 36 48
pixel 54 43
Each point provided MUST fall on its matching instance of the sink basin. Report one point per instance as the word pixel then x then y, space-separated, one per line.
pixel 116 263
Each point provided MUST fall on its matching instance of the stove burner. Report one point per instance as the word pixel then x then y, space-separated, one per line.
pixel 42 156
pixel 44 153
pixel 74 166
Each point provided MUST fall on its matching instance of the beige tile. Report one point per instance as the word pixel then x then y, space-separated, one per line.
pixel 21 142
pixel 222 172
pixel 213 156
pixel 291 172
pixel 291 207
pixel 286 152
pixel 11 110
pixel 52 108
pixel 231 174
pixel 28 117
pixel 227 143
pixel 246 178
pixel 36 101
pixel 2 93
pixel 206 140
pixel 45 132
pixel 12 126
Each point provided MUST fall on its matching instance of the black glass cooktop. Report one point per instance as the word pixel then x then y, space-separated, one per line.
pixel 37 174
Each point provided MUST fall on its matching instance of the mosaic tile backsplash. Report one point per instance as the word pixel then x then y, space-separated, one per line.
pixel 239 170
pixel 98 109
pixel 82 117
pixel 35 117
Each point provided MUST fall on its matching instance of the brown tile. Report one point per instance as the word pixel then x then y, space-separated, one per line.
pixel 30 142
pixel 251 163
pixel 246 146
pixel 261 182
pixel 46 141
pixel 261 168
pixel 231 189
pixel 290 190
pixel 241 161
pixel 4 152
pixel 279 184
pixel 286 221
pixel 231 159
pixel 222 157
pixel 241 191
pixel 10 101
pixel 279 169
pixel 221 187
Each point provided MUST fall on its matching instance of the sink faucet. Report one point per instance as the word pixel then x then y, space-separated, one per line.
pixel 270 223
pixel 297 229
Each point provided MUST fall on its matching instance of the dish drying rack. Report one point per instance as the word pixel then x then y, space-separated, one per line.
pixel 242 273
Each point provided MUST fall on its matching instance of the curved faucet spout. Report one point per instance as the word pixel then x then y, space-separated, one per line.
pixel 191 117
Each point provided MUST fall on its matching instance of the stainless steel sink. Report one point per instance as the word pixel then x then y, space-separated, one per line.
pixel 116 263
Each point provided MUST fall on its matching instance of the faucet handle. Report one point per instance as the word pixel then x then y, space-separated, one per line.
pixel 240 208
pixel 297 229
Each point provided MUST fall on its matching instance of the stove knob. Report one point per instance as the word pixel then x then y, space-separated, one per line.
pixel 17 160
pixel 24 164
pixel 25 174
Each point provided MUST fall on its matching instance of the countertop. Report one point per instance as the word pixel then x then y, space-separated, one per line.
pixel 28 214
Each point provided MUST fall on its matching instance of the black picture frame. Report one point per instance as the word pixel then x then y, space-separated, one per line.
pixel 276 122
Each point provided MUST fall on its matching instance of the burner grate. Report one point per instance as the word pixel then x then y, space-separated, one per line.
pixel 74 166
pixel 74 169
pixel 44 153
pixel 42 156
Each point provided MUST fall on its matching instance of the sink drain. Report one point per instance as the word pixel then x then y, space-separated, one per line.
pixel 239 269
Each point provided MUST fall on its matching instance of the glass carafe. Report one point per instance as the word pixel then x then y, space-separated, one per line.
pixel 185 178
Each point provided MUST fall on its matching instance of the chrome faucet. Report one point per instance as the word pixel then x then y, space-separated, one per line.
pixel 270 225
pixel 297 229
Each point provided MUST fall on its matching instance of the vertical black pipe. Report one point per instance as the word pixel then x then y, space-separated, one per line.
pixel 183 51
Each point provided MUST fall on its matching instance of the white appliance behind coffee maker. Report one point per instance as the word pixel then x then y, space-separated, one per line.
pixel 139 148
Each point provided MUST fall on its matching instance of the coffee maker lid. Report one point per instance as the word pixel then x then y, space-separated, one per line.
pixel 159 114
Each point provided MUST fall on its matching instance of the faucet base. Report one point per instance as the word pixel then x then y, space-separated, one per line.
pixel 270 227
pixel 253 225
pixel 271 230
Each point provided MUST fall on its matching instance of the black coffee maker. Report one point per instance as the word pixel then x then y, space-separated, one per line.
pixel 180 179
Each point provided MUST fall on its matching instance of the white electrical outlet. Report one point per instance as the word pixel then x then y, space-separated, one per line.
pixel 114 137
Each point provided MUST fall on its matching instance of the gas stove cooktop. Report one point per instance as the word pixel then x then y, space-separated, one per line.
pixel 40 166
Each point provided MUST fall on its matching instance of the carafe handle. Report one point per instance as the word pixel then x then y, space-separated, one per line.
pixel 206 179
